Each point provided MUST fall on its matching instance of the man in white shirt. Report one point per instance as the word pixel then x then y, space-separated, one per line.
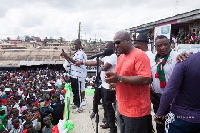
pixel 161 69
pixel 141 42
pixel 78 74
pixel 108 95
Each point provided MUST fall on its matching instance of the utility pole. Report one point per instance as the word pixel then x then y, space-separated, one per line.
pixel 79 30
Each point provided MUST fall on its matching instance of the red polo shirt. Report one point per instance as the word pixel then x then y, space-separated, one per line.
pixel 133 100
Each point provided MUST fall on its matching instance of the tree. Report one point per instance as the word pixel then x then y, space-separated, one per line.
pixel 45 41
pixel 18 38
pixel 60 40
pixel 27 38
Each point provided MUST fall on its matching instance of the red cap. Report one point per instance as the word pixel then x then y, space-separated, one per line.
pixel 4 101
pixel 64 91
pixel 52 91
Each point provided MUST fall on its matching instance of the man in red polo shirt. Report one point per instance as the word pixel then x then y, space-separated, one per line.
pixel 132 77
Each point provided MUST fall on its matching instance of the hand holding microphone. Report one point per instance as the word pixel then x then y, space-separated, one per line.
pixel 64 55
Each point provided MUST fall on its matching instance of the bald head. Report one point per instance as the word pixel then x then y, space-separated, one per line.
pixel 123 42
pixel 122 35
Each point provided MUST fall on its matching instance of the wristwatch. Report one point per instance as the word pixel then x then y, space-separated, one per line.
pixel 120 79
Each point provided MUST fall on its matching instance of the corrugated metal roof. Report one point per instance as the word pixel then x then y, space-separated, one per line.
pixel 181 18
pixel 28 57
pixel 16 58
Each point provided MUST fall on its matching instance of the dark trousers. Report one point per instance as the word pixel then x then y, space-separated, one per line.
pixel 181 126
pixel 103 101
pixel 120 121
pixel 108 100
pixel 76 91
pixel 96 100
pixel 155 99
pixel 134 125
pixel 121 124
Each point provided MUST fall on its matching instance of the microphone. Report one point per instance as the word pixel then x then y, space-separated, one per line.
pixel 106 52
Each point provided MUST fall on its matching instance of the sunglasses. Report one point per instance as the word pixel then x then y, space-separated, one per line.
pixel 118 42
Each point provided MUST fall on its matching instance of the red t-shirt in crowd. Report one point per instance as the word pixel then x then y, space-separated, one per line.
pixel 133 100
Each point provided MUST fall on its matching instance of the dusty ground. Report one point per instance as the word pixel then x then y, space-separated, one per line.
pixel 82 121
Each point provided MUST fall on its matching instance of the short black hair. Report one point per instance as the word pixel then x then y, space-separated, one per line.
pixel 110 44
pixel 160 37
pixel 78 41
pixel 14 118
pixel 27 123
pixel 142 38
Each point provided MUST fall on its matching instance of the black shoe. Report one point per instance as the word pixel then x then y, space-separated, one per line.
pixel 113 130
pixel 105 126
pixel 104 120
pixel 92 115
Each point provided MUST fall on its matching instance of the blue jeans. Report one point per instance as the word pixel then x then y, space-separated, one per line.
pixel 182 126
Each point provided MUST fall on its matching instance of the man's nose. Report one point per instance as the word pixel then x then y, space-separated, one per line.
pixel 162 47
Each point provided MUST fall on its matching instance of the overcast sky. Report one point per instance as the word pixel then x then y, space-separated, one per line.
pixel 99 18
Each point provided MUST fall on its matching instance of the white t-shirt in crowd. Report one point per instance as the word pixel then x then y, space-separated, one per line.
pixel 79 72
pixel 151 57
pixel 112 59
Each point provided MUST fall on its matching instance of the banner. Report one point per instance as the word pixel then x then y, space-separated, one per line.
pixel 163 30
pixel 188 48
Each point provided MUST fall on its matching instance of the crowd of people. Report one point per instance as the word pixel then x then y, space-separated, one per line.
pixel 186 37
pixel 132 78
pixel 31 100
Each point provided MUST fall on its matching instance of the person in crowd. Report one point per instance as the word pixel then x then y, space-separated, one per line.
pixel 44 110
pixel 108 96
pixel 22 106
pixel 165 60
pixel 141 42
pixel 47 99
pixel 3 117
pixel 181 37
pixel 78 75
pixel 28 127
pixel 14 114
pixel 36 118
pixel 48 125
pixel 58 108
pixel 183 84
pixel 17 127
pixel 132 77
